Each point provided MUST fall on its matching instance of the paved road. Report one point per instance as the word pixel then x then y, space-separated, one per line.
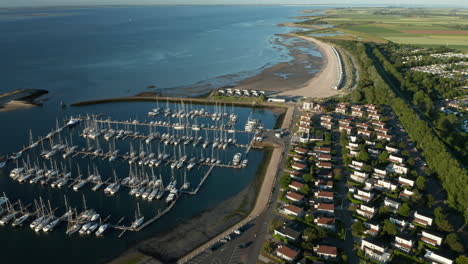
pixel 264 196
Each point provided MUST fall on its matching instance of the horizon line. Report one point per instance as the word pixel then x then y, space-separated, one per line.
pixel 336 4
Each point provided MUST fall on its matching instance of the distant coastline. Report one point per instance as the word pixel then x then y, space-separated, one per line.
pixel 20 99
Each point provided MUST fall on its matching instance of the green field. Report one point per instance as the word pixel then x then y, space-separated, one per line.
pixel 388 24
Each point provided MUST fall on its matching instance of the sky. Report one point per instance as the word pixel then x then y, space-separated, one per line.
pixel 33 3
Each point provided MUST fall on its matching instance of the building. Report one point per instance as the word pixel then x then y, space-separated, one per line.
pixel 300 158
pixel 299 166
pixel 364 132
pixel 326 252
pixel 325 222
pixel 293 210
pixel 324 184
pixel 405 181
pixel 433 257
pixel 286 253
pixel 373 228
pixel 359 176
pixel 362 195
pixel 326 118
pixel 380 173
pixel 325 208
pixel 312 106
pixel 391 203
pixel 324 195
pixel 324 165
pixel 375 116
pixel 367 211
pixel 395 159
pixel 357 113
pixel 404 242
pixel 323 150
pixel 324 157
pixel 432 238
pixel 305 121
pixel 327 125
pixel 383 136
pixel 391 149
pixel 405 194
pixel 295 197
pixel 296 175
pixel 348 129
pixel 362 125
pixel 296 186
pixel 289 232
pixel 422 219
pixel 305 128
pixel 378 124
pixel 301 151
pixel 384 131
pixel 395 168
pixel 341 110
pixel 375 249
pixel 324 173
pixel 400 223
pixel 384 185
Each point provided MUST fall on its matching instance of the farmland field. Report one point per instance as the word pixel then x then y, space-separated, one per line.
pixel 421 27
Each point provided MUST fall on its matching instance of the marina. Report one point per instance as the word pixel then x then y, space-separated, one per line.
pixel 154 162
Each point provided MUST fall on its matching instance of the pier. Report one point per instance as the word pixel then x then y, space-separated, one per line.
pixel 201 182
pixel 168 125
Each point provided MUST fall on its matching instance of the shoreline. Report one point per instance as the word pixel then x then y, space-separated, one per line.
pixel 260 188
pixel 186 237
pixel 320 86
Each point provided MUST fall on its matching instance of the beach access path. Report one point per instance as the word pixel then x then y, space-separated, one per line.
pixel 321 85
pixel 263 196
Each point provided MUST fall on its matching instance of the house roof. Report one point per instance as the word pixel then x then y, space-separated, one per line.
pixel 322 249
pixel 325 206
pixel 325 194
pixel 295 196
pixel 322 149
pixel 288 231
pixel 326 221
pixel 296 184
pixel 299 165
pixel 324 164
pixel 293 208
pixel 375 242
pixel 289 252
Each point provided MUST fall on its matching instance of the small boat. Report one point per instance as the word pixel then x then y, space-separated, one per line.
pixel 92 228
pixel 85 228
pixel 236 159
pixel 101 230
pixel 20 221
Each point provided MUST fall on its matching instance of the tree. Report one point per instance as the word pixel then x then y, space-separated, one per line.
pixel 262 98
pixel 363 156
pixel 430 200
pixel 312 234
pixel 309 219
pixel 441 220
pixel 344 138
pixel 420 183
pixel 384 210
pixel 404 210
pixel 452 241
pixel 383 157
pixel 389 228
pixel 462 260
pixel 357 228
pixel 307 177
pixel 337 174
pixel 305 189
pixel 268 246
pixel 284 181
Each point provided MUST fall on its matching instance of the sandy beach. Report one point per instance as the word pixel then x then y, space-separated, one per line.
pixel 320 86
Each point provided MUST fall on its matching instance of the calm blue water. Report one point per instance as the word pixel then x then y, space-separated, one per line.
pixel 101 52
pixel 80 54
